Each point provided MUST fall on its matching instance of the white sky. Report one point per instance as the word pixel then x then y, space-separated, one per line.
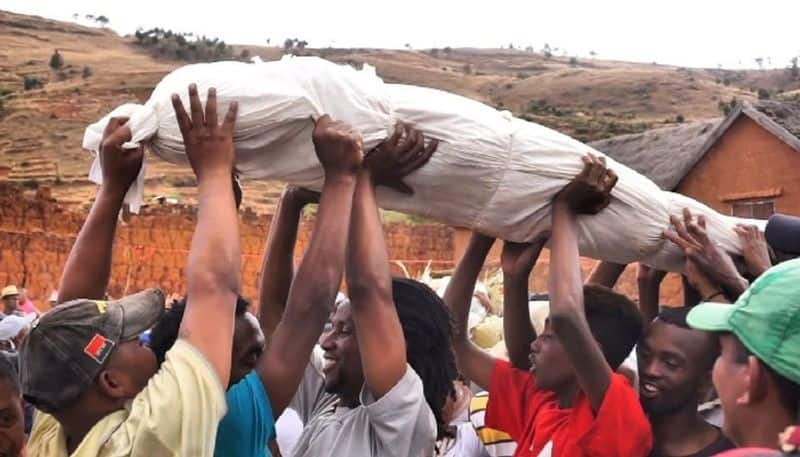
pixel 702 33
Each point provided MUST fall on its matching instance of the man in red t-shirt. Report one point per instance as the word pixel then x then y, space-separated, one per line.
pixel 561 397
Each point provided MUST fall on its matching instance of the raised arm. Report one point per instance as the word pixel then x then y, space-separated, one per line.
pixel 213 267
pixel 517 261
pixel 277 269
pixel 319 275
pixel 88 267
pixel 369 282
pixel 473 363
pixel 606 274
pixel 380 336
pixel 588 193
pixel 649 284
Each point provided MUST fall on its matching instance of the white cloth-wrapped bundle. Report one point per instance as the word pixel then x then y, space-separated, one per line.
pixel 492 172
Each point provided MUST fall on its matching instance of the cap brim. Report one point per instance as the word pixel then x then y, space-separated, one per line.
pixel 140 312
pixel 711 317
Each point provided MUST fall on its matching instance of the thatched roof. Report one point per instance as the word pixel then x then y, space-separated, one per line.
pixel 664 155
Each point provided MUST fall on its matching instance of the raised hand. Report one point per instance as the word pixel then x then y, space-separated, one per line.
pixel 209 145
pixel 120 166
pixel 397 157
pixel 339 147
pixel 590 191
pixel 518 259
pixel 691 236
pixel 754 249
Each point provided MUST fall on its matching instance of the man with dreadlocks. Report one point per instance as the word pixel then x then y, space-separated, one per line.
pixel 377 383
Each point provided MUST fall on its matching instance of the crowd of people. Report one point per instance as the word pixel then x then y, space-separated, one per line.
pixel 391 368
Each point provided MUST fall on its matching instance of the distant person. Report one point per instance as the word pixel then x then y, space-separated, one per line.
pixel 26 306
pixel 10 296
pixel 14 329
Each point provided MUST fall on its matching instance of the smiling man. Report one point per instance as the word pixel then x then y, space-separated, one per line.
pixel 675 364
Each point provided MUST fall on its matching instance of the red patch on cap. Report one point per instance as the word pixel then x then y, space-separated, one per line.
pixel 98 348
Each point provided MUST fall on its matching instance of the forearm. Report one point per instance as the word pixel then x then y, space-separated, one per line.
pixel 368 271
pixel 458 295
pixel 215 252
pixel 517 326
pixel 565 281
pixel 277 268
pixel 606 274
pixel 649 298
pixel 323 262
pixel 567 315
pixel 475 364
pixel 380 336
pixel 88 268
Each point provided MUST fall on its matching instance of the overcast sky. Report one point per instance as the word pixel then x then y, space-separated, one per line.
pixel 702 33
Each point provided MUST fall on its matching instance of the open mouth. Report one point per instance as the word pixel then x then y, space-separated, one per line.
pixel 649 390
pixel 532 359
pixel 328 364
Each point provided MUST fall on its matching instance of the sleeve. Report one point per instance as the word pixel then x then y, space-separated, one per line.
pixel 514 400
pixel 401 420
pixel 620 426
pixel 311 389
pixel 249 424
pixel 179 410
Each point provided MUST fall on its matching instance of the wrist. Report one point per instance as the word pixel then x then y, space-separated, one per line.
pixel 710 296
pixel 516 277
pixel 112 190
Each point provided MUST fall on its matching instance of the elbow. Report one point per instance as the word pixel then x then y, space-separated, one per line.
pixel 210 281
pixel 564 320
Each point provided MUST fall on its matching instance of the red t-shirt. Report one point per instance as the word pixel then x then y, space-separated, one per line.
pixel 532 417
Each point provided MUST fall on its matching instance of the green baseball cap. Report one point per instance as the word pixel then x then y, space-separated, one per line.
pixel 765 318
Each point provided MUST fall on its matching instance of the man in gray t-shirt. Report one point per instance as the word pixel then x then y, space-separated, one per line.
pixel 398 424
pixel 361 394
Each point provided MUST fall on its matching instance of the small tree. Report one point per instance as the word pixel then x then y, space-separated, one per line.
pixel 592 54
pixel 794 71
pixel 763 94
pixel 87 72
pixel 573 61
pixel 102 20
pixel 680 119
pixel 245 54
pixel 447 50
pixel 760 62
pixel 31 82
pixel 56 61
pixel 467 69
pixel 288 44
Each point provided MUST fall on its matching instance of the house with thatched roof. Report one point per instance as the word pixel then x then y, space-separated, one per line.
pixel 746 164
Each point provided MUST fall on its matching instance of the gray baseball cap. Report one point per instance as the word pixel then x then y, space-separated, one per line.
pixel 69 345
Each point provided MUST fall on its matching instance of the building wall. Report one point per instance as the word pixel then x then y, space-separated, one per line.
pixel 747 161
pixel 36 234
